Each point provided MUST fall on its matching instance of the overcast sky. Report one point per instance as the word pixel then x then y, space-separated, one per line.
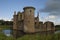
pixel 49 10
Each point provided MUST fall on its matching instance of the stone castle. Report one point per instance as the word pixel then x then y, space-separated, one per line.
pixel 25 22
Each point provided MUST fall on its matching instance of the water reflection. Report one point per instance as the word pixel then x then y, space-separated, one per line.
pixel 57 31
pixel 7 32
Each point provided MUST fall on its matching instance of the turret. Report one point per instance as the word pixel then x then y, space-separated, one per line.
pixel 29 19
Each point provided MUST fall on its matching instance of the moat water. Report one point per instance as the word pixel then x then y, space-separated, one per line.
pixel 8 32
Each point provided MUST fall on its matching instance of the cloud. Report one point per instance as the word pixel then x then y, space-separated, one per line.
pixel 53 7
pixel 6 19
pixel 50 18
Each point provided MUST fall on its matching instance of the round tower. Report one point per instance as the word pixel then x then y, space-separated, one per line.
pixel 29 19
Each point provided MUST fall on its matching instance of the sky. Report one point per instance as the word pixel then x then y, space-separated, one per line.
pixel 49 10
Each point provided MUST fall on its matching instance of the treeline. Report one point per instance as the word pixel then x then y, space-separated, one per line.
pixel 57 27
pixel 3 22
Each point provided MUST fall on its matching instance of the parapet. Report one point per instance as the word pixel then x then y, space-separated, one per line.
pixel 28 8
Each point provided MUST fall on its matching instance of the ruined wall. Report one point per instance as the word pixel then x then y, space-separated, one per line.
pixel 20 21
pixel 15 21
pixel 49 26
pixel 15 25
pixel 25 22
pixel 37 27
pixel 41 26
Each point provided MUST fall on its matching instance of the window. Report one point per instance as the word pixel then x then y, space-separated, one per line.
pixel 30 11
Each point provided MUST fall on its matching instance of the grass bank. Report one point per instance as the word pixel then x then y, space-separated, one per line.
pixel 32 37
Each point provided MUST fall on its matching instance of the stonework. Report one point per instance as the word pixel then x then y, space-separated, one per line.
pixel 25 22
pixel 29 19
pixel 49 26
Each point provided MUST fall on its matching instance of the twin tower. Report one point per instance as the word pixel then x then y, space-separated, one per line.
pixel 26 22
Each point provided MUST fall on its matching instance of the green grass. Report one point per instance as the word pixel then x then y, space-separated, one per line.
pixel 32 37
pixel 40 37
pixel 3 37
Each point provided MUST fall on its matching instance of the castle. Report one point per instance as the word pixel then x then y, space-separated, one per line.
pixel 27 23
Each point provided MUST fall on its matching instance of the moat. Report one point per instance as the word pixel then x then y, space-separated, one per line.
pixel 9 32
